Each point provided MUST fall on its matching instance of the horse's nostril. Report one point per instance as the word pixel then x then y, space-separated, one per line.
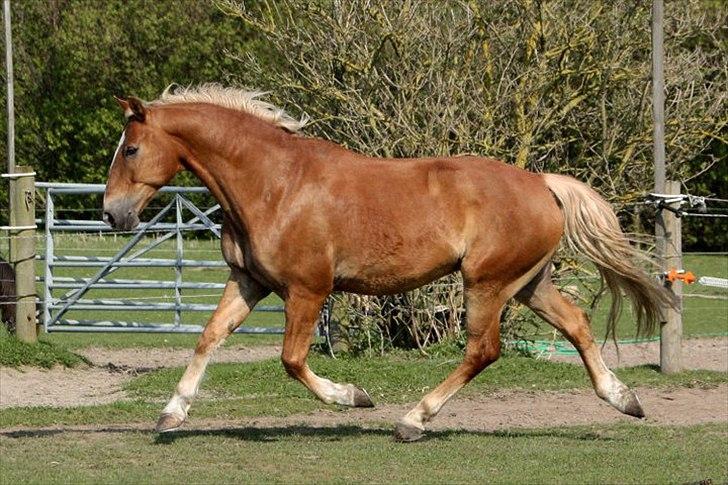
pixel 109 219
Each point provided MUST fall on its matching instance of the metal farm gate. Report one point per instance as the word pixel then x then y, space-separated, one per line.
pixel 147 236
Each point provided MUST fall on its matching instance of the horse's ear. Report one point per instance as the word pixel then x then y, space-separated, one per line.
pixel 136 105
pixel 133 108
pixel 124 105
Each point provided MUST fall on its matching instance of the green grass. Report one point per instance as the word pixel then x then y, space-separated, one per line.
pixel 628 453
pixel 403 378
pixel 149 340
pixel 263 389
pixel 14 353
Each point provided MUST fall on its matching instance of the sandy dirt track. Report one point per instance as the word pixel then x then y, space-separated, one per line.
pixel 102 383
pixel 500 412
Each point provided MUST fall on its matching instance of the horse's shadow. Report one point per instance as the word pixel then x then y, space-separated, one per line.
pixel 275 433
pixel 266 434
pixel 339 433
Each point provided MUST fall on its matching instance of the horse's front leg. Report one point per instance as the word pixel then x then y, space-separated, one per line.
pixel 302 312
pixel 238 299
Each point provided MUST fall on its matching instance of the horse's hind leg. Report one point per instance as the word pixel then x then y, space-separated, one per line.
pixel 483 306
pixel 302 312
pixel 541 296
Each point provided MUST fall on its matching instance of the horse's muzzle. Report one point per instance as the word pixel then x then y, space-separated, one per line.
pixel 121 215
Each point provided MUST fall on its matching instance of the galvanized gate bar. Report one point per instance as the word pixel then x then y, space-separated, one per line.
pixel 103 304
pixel 49 249
pixel 179 250
pixel 159 263
pixel 215 228
pixel 135 305
pixel 77 294
pixel 126 284
pixel 75 188
pixel 118 326
pixel 142 227
pixel 107 259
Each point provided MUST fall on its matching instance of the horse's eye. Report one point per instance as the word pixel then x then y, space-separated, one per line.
pixel 130 150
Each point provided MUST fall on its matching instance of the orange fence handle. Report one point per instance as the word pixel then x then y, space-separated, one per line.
pixel 685 276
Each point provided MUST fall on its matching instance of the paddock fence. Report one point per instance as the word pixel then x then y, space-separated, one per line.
pixel 68 291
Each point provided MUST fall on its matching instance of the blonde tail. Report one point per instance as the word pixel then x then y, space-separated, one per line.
pixel 591 228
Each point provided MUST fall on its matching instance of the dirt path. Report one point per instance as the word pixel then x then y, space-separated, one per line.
pixel 524 409
pixel 102 383
pixel 499 412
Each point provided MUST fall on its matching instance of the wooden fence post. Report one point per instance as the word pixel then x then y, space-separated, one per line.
pixel 22 252
pixel 671 325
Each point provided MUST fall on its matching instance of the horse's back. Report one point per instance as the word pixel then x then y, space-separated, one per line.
pixel 402 223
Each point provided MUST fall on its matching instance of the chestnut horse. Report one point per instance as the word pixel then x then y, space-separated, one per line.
pixel 304 217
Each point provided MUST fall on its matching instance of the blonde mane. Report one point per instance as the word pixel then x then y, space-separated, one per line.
pixel 232 98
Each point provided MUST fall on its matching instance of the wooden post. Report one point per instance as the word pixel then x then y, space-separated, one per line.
pixel 10 85
pixel 658 124
pixel 22 252
pixel 668 238
pixel 658 96
pixel 671 326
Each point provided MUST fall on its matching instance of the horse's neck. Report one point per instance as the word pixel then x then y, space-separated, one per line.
pixel 234 156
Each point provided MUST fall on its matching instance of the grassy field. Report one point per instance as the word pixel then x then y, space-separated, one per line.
pixel 101 443
pixel 14 353
pixel 596 454
pixel 75 341
pixel 701 316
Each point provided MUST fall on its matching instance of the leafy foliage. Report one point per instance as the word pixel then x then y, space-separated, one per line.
pixel 71 57
pixel 550 86
pixel 556 86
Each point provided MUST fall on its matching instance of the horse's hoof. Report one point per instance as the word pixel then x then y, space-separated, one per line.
pixel 621 397
pixel 633 407
pixel 406 433
pixel 168 422
pixel 362 399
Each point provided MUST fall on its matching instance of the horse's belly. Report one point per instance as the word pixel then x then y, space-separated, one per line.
pixel 383 279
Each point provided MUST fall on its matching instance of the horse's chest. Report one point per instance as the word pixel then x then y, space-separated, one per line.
pixel 232 249
pixel 241 250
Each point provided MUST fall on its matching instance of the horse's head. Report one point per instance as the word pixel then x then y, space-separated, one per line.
pixel 146 159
